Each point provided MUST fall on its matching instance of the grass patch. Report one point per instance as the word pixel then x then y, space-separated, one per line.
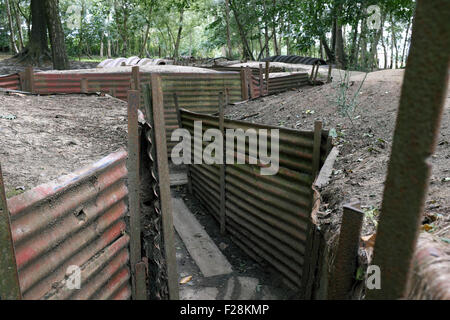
pixel 13 192
pixel 88 59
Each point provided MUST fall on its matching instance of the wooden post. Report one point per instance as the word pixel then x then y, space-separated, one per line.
pixel 244 84
pixel 312 72
pixel 317 72
pixel 261 80
pixel 223 166
pixel 135 78
pixel 134 185
pixel 344 267
pixel 84 85
pixel 29 79
pixel 164 184
pixel 330 68
pixel 267 76
pixel 249 76
pixel 9 279
pixel 316 150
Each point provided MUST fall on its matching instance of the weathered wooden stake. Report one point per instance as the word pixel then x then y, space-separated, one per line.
pixel 417 130
pixel 316 150
pixel 344 268
pixel 267 76
pixel 9 279
pixel 164 184
pixel 29 79
pixel 134 185
pixel 135 78
pixel 84 85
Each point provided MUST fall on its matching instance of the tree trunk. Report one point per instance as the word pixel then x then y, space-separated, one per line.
pixel 109 47
pixel 37 49
pixel 101 45
pixel 11 29
pixel 56 32
pixel 405 44
pixel 180 29
pixel 245 46
pixel 328 51
pixel 266 31
pixel 374 47
pixel 341 60
pixel 18 24
pixel 354 49
pixel 227 20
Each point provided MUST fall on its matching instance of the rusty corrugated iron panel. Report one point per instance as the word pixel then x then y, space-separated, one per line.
pixel 284 83
pixel 196 91
pixel 77 220
pixel 11 82
pixel 268 216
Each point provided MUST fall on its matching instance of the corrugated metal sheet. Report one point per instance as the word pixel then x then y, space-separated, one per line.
pixel 284 83
pixel 268 216
pixel 195 91
pixel 77 220
pixel 11 82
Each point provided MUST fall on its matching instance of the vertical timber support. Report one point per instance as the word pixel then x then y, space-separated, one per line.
pixel 261 80
pixel 134 195
pixel 330 68
pixel 317 148
pixel 164 184
pixel 267 76
pixel 135 78
pixel 344 268
pixel 417 128
pixel 244 85
pixel 249 77
pixel 29 79
pixel 9 279
pixel 84 85
pixel 317 73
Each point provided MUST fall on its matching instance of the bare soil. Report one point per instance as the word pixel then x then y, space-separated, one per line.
pixel 45 137
pixel 364 140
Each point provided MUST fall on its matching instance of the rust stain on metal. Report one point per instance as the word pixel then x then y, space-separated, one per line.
pixel 418 123
pixel 73 220
pixel 268 216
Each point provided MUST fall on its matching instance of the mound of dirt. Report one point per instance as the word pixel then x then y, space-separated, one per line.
pixel 364 138
pixel 43 138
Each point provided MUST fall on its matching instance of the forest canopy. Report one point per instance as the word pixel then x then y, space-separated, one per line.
pixel 354 34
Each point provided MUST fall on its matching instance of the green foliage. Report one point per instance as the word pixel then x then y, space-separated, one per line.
pixel 299 26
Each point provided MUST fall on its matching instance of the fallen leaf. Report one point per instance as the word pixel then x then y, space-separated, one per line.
pixel 185 280
pixel 427 227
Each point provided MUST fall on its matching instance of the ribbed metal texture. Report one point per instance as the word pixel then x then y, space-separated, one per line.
pixel 76 220
pixel 196 91
pixel 284 83
pixel 11 82
pixel 268 216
